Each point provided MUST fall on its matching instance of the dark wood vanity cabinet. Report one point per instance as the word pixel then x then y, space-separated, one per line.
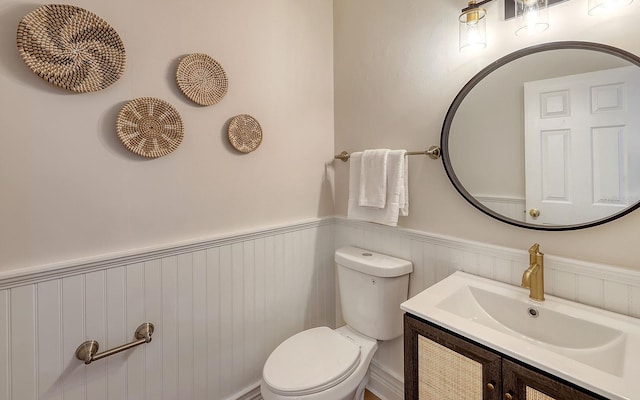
pixel 441 365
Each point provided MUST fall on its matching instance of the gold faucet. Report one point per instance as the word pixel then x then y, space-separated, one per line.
pixel 533 277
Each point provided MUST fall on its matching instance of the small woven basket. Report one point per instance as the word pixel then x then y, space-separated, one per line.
pixel 71 47
pixel 150 127
pixel 202 79
pixel 245 133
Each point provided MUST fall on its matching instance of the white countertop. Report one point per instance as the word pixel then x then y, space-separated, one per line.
pixel 622 385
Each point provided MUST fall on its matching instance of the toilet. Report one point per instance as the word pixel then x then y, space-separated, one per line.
pixel 326 364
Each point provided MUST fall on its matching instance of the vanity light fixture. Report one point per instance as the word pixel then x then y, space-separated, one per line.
pixel 532 16
pixel 473 26
pixel 598 7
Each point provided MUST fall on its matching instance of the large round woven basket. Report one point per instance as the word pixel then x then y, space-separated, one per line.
pixel 202 79
pixel 245 133
pixel 71 47
pixel 150 127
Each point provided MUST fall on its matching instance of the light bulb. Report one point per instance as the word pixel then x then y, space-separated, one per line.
pixel 532 16
pixel 598 7
pixel 472 29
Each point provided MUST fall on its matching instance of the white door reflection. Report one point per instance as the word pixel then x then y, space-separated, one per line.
pixel 581 131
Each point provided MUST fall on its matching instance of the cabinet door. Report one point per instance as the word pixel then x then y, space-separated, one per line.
pixel 442 366
pixel 522 383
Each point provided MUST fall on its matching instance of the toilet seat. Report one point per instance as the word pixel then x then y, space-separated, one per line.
pixel 310 362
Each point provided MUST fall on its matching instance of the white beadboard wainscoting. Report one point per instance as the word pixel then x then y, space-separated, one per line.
pixel 221 305
pixel 219 308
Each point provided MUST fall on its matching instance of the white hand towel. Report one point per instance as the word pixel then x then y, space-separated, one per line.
pixel 373 178
pixel 403 201
pixel 397 199
pixel 398 186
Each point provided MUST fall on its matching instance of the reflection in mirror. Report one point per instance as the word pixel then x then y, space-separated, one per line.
pixel 549 137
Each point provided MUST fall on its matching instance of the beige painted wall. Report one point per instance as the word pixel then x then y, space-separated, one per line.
pixel 68 187
pixel 397 69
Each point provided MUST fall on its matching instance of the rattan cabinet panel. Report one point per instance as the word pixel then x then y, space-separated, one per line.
pixel 441 365
pixel 444 374
pixel 525 384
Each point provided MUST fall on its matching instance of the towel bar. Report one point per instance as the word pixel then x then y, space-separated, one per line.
pixel 433 153
pixel 88 351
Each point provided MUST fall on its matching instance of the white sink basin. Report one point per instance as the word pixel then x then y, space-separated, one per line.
pixel 582 340
pixel 593 348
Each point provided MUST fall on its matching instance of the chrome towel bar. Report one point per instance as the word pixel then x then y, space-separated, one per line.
pixel 88 351
pixel 433 153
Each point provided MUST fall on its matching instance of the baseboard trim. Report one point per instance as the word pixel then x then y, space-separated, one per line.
pixel 250 393
pixel 384 383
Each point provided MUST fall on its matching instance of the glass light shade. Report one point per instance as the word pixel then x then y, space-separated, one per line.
pixel 598 7
pixel 473 29
pixel 532 16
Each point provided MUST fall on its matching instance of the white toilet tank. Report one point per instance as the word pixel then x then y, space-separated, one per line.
pixel 372 286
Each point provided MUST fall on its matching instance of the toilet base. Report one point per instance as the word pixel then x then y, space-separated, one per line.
pixel 360 392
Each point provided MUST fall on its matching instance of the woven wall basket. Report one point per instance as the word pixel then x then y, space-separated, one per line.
pixel 202 79
pixel 71 47
pixel 245 133
pixel 150 127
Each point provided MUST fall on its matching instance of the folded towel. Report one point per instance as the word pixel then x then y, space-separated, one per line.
pixel 373 178
pixel 398 173
pixel 403 201
pixel 397 199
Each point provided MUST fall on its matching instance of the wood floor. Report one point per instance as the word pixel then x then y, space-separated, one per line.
pixel 370 396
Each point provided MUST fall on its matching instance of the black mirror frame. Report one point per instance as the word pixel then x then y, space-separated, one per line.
pixel 466 89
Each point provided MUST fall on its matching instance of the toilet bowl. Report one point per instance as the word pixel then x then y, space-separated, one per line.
pixel 332 370
pixel 326 364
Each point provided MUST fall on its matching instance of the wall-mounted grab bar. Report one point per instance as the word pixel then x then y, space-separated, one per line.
pixel 433 153
pixel 88 351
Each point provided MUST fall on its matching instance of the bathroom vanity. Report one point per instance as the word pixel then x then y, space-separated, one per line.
pixel 468 337
pixel 440 364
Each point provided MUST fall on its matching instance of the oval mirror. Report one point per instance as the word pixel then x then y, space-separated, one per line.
pixel 548 137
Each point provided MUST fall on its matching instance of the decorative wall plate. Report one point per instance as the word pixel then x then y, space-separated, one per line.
pixel 245 133
pixel 202 79
pixel 71 47
pixel 150 127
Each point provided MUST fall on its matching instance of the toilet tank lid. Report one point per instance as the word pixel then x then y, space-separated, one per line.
pixel 372 263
